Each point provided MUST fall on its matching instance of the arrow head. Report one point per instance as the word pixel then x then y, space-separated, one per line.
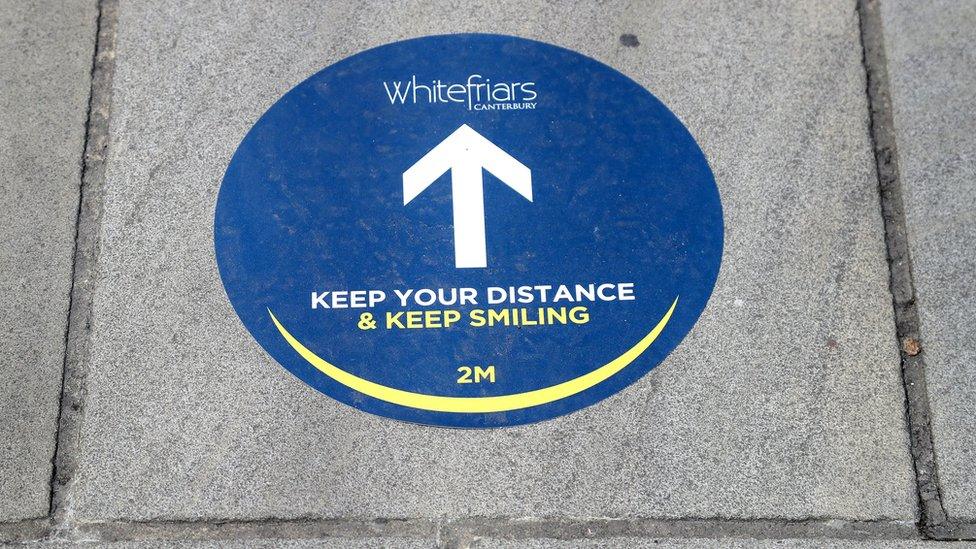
pixel 462 148
pixel 466 153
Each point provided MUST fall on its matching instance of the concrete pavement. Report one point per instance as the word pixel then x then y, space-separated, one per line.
pixel 781 415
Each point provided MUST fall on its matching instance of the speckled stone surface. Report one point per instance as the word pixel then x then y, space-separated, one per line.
pixel 930 66
pixel 726 543
pixel 784 401
pixel 254 543
pixel 45 68
pixel 488 543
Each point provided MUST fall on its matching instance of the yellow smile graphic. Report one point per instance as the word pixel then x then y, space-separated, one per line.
pixel 475 405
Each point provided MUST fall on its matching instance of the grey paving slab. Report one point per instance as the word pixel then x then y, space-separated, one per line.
pixel 783 402
pixel 488 543
pixel 45 63
pixel 637 543
pixel 723 543
pixel 930 59
pixel 338 543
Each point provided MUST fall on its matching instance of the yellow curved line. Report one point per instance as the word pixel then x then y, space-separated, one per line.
pixel 471 405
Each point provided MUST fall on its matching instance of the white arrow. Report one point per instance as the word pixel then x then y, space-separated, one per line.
pixel 465 152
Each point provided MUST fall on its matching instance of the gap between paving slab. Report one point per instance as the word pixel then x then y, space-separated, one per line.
pixel 458 532
pixel 902 286
pixel 77 337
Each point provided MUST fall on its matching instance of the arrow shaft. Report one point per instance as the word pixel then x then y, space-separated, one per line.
pixel 466 153
pixel 467 190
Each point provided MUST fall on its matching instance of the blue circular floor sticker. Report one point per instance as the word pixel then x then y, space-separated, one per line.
pixel 468 231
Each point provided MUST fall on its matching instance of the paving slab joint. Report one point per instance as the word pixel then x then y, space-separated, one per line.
pixel 88 221
pixel 25 531
pixel 464 533
pixel 962 532
pixel 934 523
pixel 456 533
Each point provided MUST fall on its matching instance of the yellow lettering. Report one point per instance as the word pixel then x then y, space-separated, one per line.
pixel 415 320
pixel 477 318
pixel 450 317
pixel 393 320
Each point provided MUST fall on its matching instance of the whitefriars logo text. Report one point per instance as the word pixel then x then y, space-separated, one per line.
pixel 477 93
